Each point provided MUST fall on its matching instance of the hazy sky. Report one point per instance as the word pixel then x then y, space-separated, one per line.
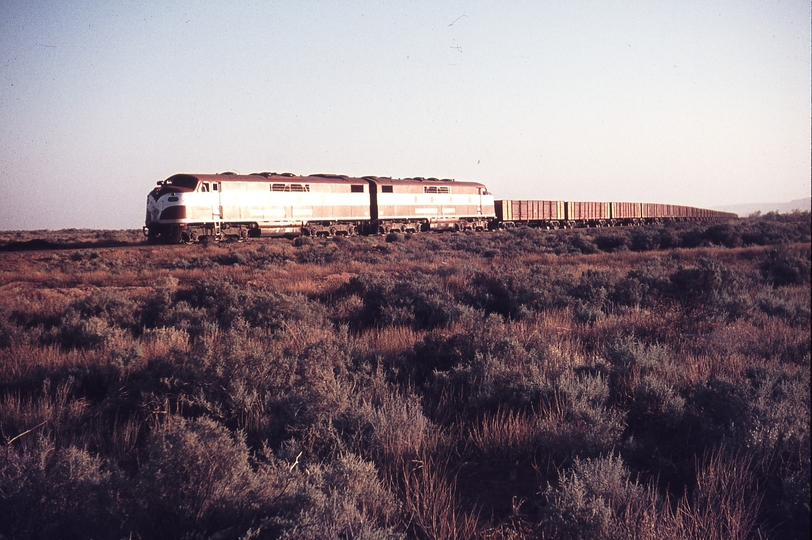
pixel 701 102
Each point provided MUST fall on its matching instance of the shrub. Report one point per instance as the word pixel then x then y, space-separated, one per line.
pixel 198 478
pixel 152 313
pixel 49 491
pixel 274 311
pixel 590 500
pixel 218 297
pixel 669 238
pixel 418 301
pixel 584 244
pixel 576 419
pixel 697 283
pixel 430 396
pixel 783 267
pixel 617 241
pixel 395 237
pixel 76 332
pixel 628 291
pixel 347 500
pixel 719 410
pixel 724 234
pixel 645 239
pixel 109 306
pixel 507 294
pixel 776 303
pixel 592 293
pixel 10 333
pixel 300 241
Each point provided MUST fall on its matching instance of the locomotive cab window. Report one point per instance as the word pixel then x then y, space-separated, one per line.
pixel 204 187
pixel 386 189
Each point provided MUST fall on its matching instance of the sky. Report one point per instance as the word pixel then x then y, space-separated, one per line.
pixel 697 102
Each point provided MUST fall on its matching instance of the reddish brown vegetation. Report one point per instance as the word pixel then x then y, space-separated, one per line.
pixel 633 383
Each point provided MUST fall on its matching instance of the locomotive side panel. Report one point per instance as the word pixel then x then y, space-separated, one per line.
pixel 294 203
pixel 431 203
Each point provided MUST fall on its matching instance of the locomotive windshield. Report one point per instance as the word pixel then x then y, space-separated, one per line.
pixel 181 180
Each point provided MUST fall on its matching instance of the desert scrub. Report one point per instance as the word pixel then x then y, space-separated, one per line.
pixel 416 300
pixel 591 500
pixel 499 385
pixel 57 491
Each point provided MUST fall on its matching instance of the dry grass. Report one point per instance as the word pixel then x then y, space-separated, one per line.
pixel 459 386
pixel 391 340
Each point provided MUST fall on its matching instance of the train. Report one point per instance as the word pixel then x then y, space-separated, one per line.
pixel 187 208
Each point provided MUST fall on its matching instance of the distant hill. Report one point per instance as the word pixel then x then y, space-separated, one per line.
pixel 745 210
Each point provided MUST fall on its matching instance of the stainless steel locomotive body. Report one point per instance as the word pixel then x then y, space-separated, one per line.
pixel 415 204
pixel 186 207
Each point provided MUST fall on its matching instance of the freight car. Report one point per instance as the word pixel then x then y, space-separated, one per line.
pixel 568 214
pixel 189 207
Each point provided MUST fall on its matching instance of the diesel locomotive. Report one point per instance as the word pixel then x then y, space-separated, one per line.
pixel 190 207
pixel 204 207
